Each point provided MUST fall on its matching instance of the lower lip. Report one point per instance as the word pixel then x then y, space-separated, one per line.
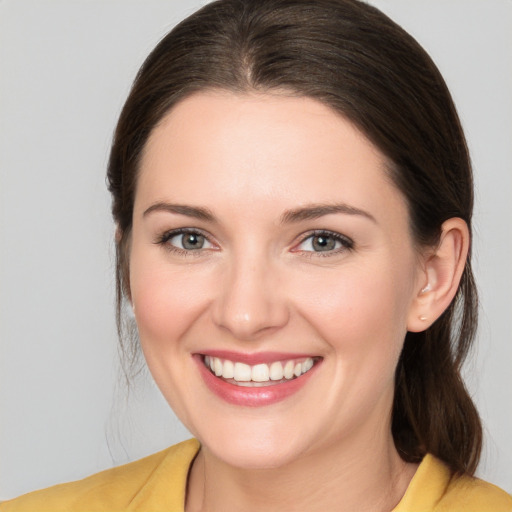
pixel 252 396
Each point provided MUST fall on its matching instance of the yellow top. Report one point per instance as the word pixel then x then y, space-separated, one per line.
pixel 157 483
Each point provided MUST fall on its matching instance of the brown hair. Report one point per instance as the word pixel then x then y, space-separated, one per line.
pixel 354 59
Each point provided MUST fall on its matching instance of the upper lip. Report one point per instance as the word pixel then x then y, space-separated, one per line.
pixel 256 357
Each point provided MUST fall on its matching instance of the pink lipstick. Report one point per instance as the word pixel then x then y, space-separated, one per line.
pixel 255 380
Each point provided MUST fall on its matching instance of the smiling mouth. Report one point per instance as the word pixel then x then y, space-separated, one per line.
pixel 259 375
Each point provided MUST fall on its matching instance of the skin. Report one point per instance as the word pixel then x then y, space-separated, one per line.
pixel 258 285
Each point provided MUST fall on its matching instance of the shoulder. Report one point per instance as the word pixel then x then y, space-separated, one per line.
pixel 434 489
pixel 471 494
pixel 121 488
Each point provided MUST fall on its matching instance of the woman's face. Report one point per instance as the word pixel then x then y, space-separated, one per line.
pixel 267 236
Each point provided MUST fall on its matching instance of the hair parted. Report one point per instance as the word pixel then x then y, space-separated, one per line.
pixel 351 57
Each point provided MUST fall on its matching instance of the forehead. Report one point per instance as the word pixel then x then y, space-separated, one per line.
pixel 261 150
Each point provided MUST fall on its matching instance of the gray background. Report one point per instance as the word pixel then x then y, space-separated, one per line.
pixel 65 69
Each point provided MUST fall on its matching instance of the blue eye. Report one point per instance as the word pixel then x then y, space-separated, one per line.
pixel 325 241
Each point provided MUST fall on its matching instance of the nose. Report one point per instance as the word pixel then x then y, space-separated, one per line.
pixel 250 302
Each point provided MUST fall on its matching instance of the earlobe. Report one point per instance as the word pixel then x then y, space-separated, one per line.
pixel 443 269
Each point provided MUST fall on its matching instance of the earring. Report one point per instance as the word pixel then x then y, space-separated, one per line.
pixel 423 318
pixel 427 288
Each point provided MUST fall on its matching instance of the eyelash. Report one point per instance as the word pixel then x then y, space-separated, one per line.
pixel 165 237
pixel 346 242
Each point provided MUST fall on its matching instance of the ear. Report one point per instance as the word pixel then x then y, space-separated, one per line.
pixel 442 271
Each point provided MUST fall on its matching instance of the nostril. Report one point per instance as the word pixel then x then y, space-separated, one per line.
pixel 248 303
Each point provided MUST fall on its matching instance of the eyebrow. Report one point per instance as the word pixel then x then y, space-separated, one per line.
pixel 196 212
pixel 315 211
pixel 309 212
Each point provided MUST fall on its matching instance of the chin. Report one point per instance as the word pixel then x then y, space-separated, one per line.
pixel 257 449
pixel 255 457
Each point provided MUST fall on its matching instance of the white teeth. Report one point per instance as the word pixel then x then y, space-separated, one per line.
pixel 276 371
pixel 288 370
pixel 228 371
pixel 307 365
pixel 259 373
pixel 242 372
pixel 217 366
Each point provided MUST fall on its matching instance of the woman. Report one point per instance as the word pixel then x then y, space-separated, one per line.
pixel 293 198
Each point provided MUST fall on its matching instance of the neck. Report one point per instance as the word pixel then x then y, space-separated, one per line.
pixel 351 476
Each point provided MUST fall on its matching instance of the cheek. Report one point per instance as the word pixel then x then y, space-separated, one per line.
pixel 360 316
pixel 361 311
pixel 166 301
